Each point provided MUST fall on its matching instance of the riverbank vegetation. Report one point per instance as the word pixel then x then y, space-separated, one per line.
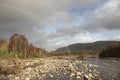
pixel 112 51
pixel 19 47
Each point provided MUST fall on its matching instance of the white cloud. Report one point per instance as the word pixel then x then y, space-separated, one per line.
pixel 106 9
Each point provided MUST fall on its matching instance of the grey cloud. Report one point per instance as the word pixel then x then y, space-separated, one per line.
pixel 18 15
pixel 45 8
pixel 69 31
pixel 65 32
pixel 111 22
pixel 14 21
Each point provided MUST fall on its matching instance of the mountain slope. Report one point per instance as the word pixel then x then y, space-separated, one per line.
pixel 95 46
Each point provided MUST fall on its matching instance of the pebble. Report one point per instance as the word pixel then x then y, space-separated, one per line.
pixel 90 75
pixel 17 78
pixel 72 74
pixel 79 74
pixel 65 68
pixel 43 75
pixel 51 75
pixel 27 78
pixel 78 77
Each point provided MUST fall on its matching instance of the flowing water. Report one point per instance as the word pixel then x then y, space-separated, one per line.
pixel 100 69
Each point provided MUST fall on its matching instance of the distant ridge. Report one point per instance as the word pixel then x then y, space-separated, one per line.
pixel 93 47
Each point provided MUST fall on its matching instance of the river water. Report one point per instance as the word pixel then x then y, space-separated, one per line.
pixel 109 69
pixel 100 69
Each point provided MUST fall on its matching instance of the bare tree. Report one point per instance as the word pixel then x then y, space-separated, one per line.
pixel 18 43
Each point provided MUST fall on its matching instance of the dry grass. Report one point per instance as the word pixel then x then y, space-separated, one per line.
pixel 16 66
pixel 10 70
pixel 8 66
pixel 84 54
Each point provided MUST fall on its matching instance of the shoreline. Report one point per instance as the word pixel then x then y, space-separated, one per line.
pixel 60 69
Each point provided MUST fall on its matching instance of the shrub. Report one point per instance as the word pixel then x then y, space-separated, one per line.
pixel 84 54
pixel 19 47
pixel 19 44
pixel 11 55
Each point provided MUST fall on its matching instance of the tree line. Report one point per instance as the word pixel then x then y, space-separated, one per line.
pixel 111 51
pixel 18 44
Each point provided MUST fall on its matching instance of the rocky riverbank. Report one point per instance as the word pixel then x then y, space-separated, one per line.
pixel 59 69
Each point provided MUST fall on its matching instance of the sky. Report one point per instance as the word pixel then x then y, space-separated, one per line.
pixel 51 24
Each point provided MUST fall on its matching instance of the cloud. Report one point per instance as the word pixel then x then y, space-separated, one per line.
pixel 54 23
pixel 104 17
pixel 45 8
pixel 18 15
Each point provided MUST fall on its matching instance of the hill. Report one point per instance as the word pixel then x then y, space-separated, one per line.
pixel 92 47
